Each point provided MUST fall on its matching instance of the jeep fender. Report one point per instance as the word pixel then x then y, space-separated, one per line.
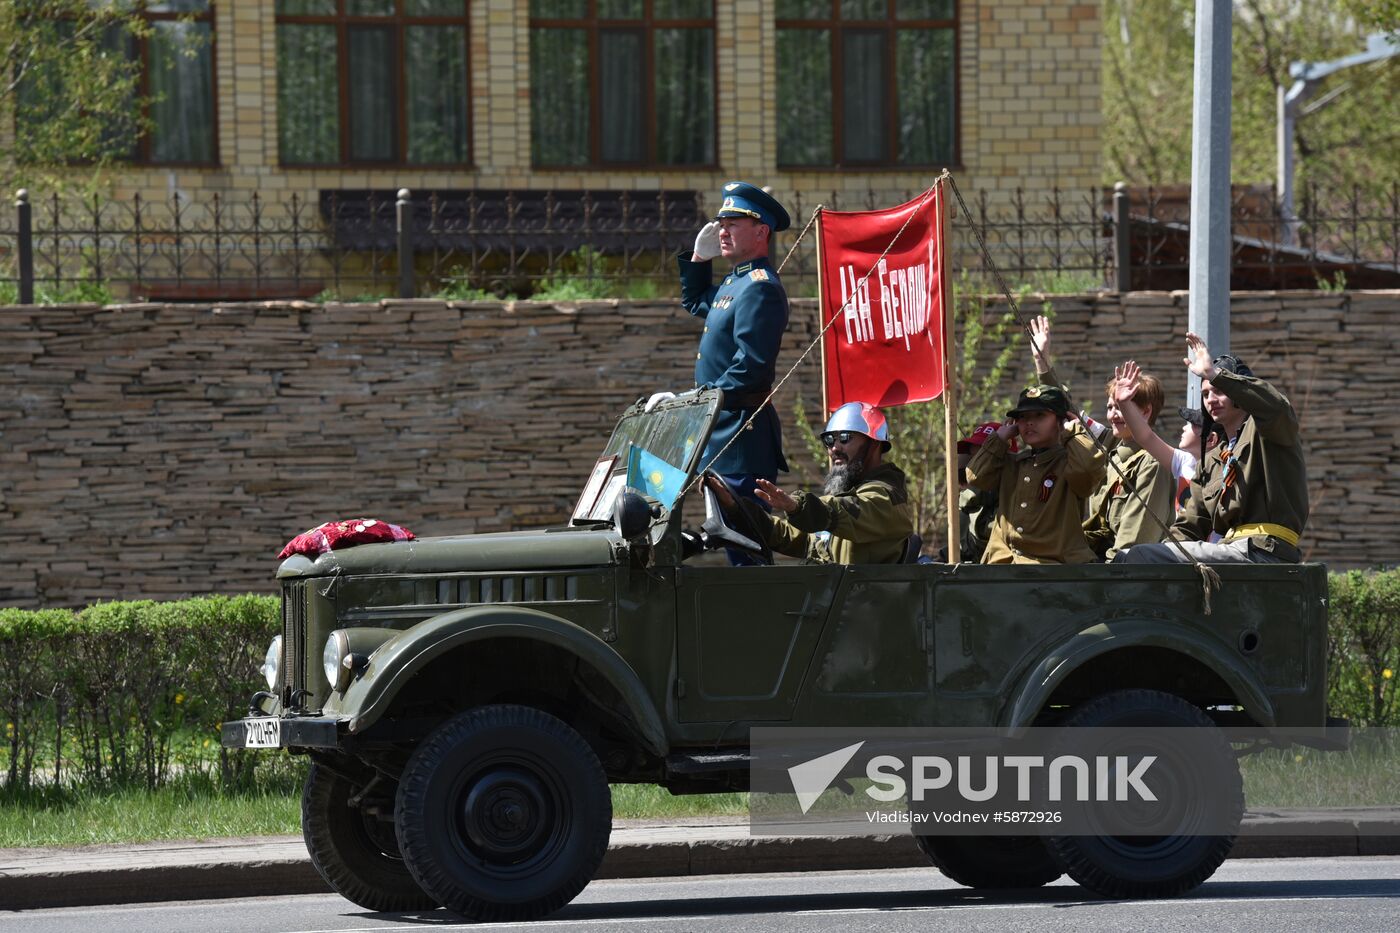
pixel 1042 679
pixel 402 656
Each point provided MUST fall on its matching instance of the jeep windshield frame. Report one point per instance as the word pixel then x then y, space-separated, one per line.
pixel 675 431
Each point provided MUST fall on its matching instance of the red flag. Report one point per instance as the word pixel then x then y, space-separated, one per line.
pixel 886 345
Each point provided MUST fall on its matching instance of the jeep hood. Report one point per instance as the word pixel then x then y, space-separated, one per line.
pixel 511 550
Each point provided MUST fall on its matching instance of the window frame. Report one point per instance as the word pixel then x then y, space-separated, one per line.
pixel 647 25
pixel 140 152
pixel 398 22
pixel 889 27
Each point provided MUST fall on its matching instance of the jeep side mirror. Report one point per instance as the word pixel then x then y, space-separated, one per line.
pixel 631 514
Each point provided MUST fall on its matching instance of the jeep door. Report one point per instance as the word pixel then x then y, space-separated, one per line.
pixel 745 638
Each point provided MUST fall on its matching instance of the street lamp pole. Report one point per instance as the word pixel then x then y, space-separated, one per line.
pixel 1209 300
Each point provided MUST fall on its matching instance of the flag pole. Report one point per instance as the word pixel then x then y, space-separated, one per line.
pixel 821 320
pixel 950 375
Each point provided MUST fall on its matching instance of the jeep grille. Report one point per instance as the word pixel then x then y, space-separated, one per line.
pixel 293 641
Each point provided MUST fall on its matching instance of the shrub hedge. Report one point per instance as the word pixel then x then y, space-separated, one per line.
pixel 127 693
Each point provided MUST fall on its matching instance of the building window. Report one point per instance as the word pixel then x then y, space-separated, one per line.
pixel 372 82
pixel 174 61
pixel 622 82
pixel 866 82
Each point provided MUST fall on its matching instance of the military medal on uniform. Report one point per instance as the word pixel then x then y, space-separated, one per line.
pixel 1046 486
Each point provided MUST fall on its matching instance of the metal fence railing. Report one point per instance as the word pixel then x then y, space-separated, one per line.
pixel 465 243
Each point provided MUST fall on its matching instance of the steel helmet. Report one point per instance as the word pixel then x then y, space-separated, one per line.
pixel 863 418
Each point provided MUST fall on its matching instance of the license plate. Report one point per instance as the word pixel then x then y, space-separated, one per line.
pixel 263 733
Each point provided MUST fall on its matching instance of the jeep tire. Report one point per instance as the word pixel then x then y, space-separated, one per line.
pixel 992 861
pixel 503 814
pixel 1160 865
pixel 355 852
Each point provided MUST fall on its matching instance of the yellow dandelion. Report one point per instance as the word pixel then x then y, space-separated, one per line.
pixel 1387 673
pixel 179 698
pixel 1298 759
pixel 206 743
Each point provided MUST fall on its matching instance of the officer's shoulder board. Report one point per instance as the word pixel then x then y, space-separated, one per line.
pixel 759 275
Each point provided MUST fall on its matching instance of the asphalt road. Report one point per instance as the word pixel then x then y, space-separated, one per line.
pixel 1267 895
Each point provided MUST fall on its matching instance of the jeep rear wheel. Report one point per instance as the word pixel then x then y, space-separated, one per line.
pixel 992 861
pixel 355 852
pixel 1201 782
pixel 504 814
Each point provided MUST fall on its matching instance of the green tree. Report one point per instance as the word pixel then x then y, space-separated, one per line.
pixel 1347 138
pixel 1381 15
pixel 71 87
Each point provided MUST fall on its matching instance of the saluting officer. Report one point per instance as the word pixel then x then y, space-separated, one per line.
pixel 745 316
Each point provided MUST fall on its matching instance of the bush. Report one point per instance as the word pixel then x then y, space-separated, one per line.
pixel 122 693
pixel 1364 646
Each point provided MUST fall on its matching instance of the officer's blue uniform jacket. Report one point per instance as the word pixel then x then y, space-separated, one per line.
pixel 745 316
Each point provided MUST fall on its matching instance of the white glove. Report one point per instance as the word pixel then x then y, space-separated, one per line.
pixel 707 241
pixel 657 399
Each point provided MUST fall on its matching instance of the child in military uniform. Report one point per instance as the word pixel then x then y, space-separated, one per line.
pixel 1133 505
pixel 1042 488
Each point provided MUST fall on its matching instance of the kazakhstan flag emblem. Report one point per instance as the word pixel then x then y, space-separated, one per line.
pixel 653 476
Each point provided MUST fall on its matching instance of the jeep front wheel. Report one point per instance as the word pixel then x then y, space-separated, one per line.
pixel 503 814
pixel 1197 778
pixel 352 849
pixel 991 861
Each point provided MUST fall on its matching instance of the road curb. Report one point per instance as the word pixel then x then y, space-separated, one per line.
pixel 31 879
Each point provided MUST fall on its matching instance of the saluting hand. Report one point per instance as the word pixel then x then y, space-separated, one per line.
pixel 774 496
pixel 706 243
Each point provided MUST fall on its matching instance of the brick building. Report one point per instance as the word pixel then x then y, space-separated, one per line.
pixel 808 96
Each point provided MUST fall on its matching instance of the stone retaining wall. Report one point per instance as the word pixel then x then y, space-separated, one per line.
pixel 166 450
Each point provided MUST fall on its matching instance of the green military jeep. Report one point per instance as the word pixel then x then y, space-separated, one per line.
pixel 475 695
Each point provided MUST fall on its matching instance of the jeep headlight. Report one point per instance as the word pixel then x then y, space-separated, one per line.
pixel 272 664
pixel 334 658
pixel 347 652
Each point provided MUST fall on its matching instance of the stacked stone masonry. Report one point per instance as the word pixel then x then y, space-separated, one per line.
pixel 166 450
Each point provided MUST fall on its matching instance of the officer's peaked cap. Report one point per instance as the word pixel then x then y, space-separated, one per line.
pixel 741 199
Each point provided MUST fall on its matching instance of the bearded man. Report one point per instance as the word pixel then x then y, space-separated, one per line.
pixel 862 515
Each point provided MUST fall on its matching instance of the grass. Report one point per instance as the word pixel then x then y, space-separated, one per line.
pixel 1362 776
pixel 186 809
pixel 191 809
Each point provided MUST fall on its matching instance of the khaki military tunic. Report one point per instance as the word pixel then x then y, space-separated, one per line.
pixel 1041 496
pixel 1269 485
pixel 1117 518
pixel 868 525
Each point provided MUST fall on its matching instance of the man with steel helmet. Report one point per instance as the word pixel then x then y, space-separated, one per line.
pixel 862 514
pixel 745 316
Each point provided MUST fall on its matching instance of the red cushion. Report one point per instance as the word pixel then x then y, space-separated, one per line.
pixel 332 536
